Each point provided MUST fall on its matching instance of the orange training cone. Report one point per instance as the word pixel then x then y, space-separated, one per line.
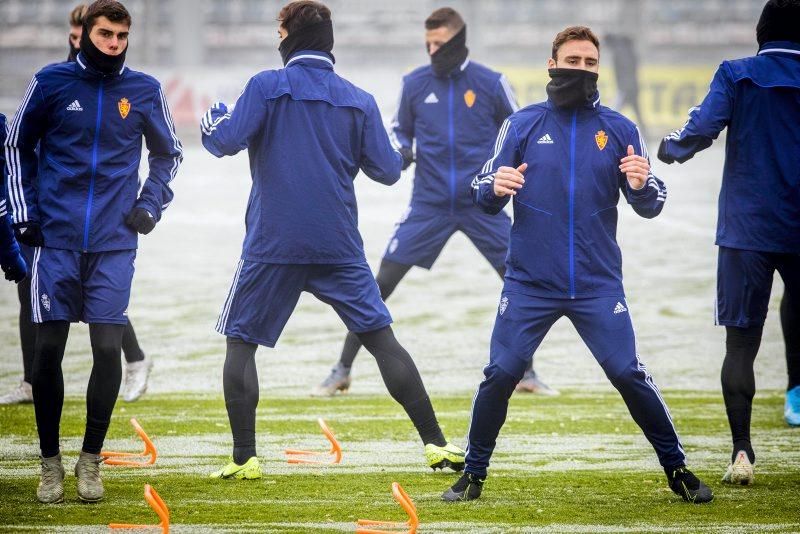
pixel 133 459
pixel 407 527
pixel 335 452
pixel 159 507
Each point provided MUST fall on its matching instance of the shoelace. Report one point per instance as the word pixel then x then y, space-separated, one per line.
pixel 92 468
pixel 50 473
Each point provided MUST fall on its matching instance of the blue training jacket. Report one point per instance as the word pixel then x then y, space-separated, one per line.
pixel 8 245
pixel 84 179
pixel 308 132
pixel 563 241
pixel 758 100
pixel 454 121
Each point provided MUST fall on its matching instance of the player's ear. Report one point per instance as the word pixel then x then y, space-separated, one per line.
pixel 551 63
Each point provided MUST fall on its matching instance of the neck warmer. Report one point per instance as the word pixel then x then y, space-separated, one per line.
pixel 450 55
pixel 317 37
pixel 780 21
pixel 100 61
pixel 73 52
pixel 571 88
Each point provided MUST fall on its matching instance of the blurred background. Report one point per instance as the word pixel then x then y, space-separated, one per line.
pixel 204 50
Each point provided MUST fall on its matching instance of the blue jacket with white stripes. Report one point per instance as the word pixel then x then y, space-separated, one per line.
pixel 308 132
pixel 9 249
pixel 758 99
pixel 454 121
pixel 84 179
pixel 563 241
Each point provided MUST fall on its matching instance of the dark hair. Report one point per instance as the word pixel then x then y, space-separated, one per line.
pixel 110 9
pixel 296 15
pixel 574 33
pixel 77 14
pixel 444 16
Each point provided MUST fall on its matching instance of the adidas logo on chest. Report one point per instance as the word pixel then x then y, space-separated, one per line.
pixel 75 106
pixel 545 140
pixel 431 99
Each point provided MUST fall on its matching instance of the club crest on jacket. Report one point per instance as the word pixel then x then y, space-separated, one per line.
pixel 124 107
pixel 469 98
pixel 601 139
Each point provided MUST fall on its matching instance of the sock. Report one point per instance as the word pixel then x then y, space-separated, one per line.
pixel 790 324
pixel 104 382
pixel 402 379
pixel 240 383
pixel 738 383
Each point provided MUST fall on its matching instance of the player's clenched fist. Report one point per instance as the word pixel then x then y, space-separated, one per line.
pixel 636 168
pixel 508 179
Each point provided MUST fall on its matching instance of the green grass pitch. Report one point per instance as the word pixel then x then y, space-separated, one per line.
pixel 573 463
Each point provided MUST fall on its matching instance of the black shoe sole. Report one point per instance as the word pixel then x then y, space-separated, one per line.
pixel 455 466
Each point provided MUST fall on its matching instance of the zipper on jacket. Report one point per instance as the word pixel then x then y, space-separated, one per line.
pixel 572 206
pixel 94 167
pixel 451 128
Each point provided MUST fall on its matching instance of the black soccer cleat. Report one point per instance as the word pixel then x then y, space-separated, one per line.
pixel 467 488
pixel 689 487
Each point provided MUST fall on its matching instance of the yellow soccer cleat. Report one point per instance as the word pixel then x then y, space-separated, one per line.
pixel 251 470
pixel 447 456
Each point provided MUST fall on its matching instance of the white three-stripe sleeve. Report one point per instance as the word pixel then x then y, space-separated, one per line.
pixel 510 99
pixel 165 156
pixel 20 152
pixel 401 129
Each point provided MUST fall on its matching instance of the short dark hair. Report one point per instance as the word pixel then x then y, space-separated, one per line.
pixel 110 9
pixel 77 14
pixel 445 16
pixel 574 33
pixel 296 15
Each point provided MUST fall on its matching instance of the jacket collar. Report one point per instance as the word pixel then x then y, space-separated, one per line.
pixel 780 47
pixel 311 58
pixel 87 69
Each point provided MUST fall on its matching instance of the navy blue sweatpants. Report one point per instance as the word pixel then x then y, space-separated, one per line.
pixel 605 326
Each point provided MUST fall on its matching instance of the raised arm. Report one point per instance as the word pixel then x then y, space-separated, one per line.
pixel 643 191
pixel 705 121
pixel 502 175
pixel 226 132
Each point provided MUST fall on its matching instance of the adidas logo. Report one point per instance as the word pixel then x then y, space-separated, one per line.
pixel 619 308
pixel 431 99
pixel 545 140
pixel 75 106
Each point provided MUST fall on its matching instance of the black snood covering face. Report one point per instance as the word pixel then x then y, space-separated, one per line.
pixel 99 60
pixel 317 37
pixel 73 52
pixel 571 88
pixel 450 55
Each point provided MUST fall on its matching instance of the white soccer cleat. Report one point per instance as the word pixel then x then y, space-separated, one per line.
pixel 740 471
pixel 338 380
pixel 21 394
pixel 136 375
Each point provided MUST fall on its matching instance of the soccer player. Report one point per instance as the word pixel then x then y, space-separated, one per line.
pixel 137 364
pixel 453 109
pixel 758 229
pixel 76 200
pixel 11 261
pixel 564 162
pixel 308 132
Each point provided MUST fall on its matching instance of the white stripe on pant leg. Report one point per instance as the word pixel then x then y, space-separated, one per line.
pixel 648 379
pixel 223 317
pixel 35 309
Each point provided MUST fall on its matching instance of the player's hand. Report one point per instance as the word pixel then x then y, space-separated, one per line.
pixel 408 156
pixel 508 179
pixel 15 269
pixel 141 220
pixel 636 168
pixel 29 233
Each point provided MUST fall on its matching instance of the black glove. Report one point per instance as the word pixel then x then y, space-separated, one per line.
pixel 408 156
pixel 141 220
pixel 29 233
pixel 14 268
